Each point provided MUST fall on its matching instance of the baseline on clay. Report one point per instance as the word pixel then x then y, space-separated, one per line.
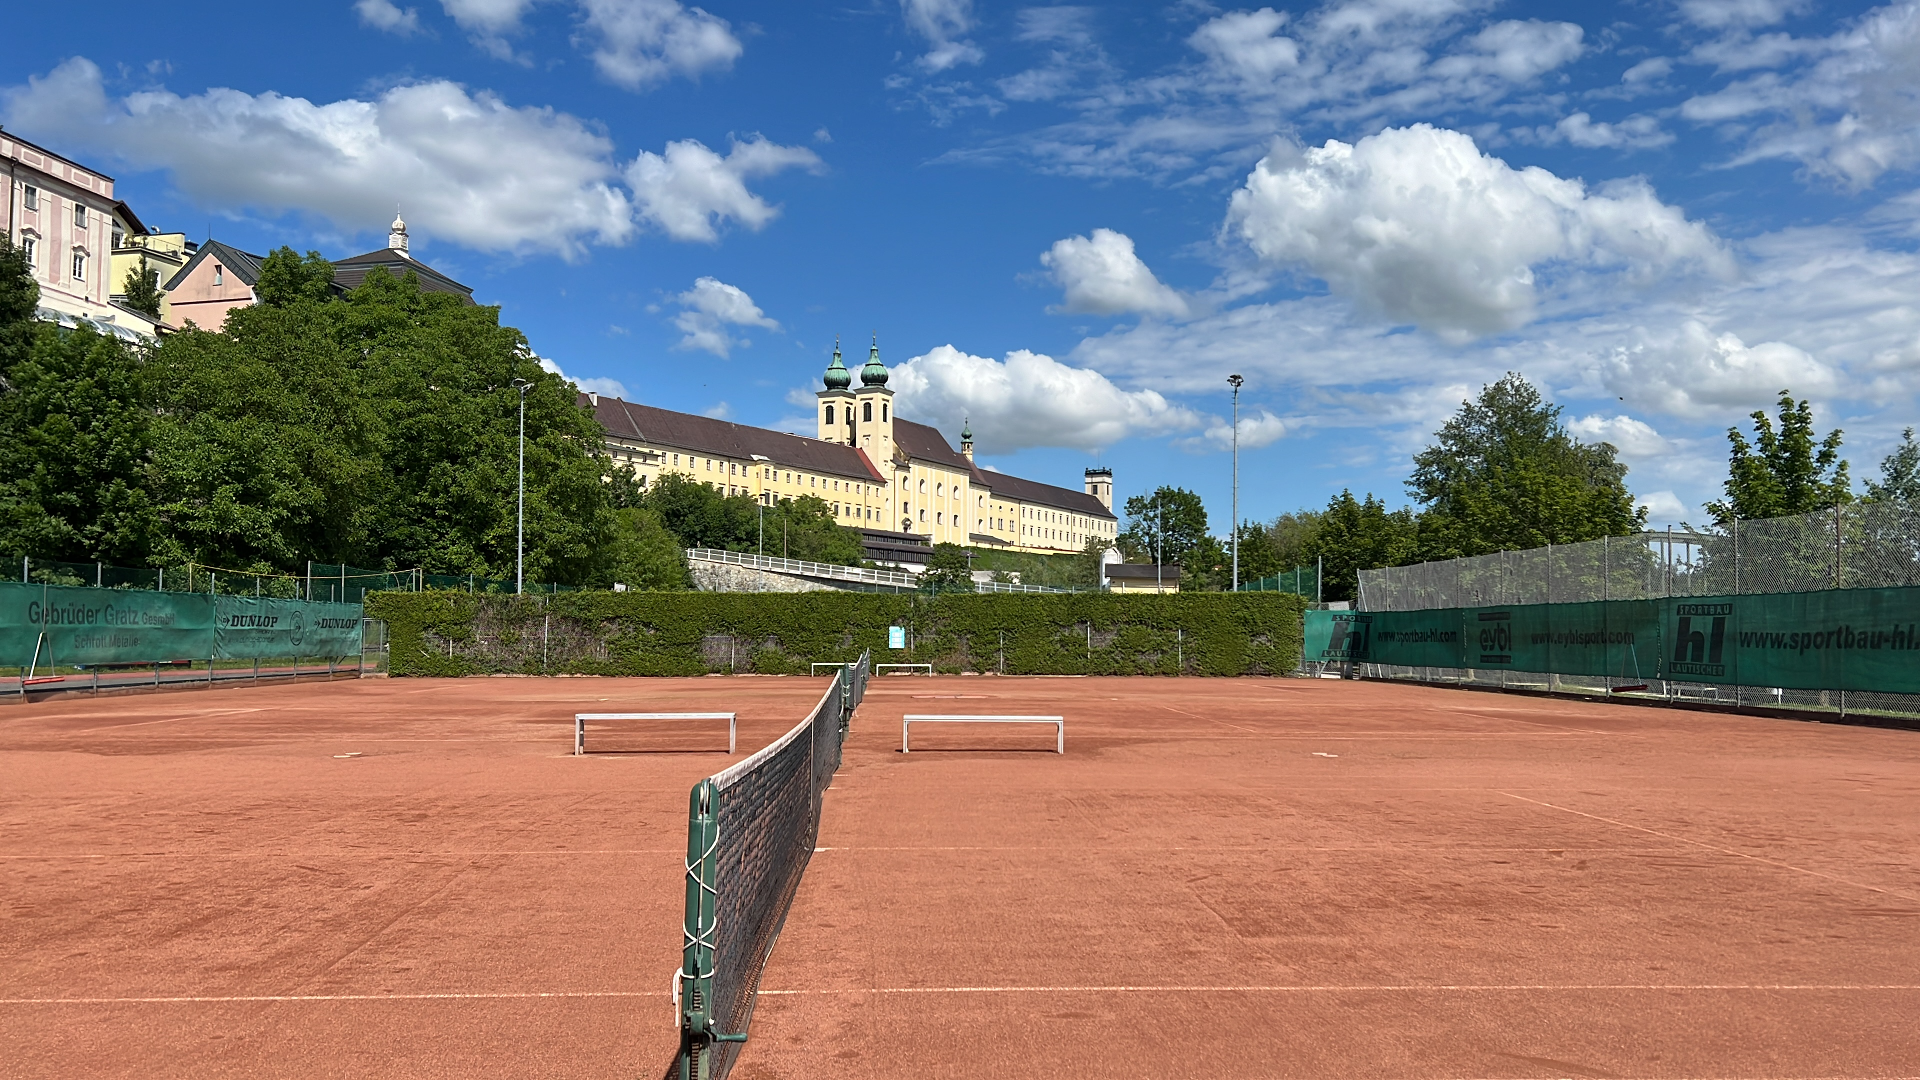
pixel 881 668
pixel 580 724
pixel 906 724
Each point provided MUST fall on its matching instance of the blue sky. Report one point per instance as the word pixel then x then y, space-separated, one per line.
pixel 1071 223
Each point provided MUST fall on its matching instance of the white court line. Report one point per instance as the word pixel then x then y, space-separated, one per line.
pixel 1124 989
pixel 1393 849
pixel 1717 847
pixel 381 854
pixel 183 1000
pixel 169 720
pixel 1340 989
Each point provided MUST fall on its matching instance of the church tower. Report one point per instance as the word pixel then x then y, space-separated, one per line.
pixel 835 408
pixel 873 411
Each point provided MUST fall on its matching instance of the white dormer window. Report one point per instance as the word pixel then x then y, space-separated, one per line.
pixel 31 198
pixel 79 216
pixel 219 274
pixel 79 266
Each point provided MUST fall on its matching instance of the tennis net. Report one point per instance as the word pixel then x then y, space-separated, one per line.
pixel 750 831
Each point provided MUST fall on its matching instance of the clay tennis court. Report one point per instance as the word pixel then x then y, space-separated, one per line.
pixel 1221 878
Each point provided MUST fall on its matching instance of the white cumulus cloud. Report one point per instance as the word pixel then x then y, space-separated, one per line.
pixel 385 15
pixel 1257 429
pixel 1417 225
pixel 434 148
pixel 1101 275
pixel 591 385
pixel 644 42
pixel 1031 400
pixel 710 309
pixel 689 189
pixel 1692 371
pixel 943 23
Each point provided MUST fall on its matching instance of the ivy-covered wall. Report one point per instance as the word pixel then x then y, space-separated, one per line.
pixel 605 633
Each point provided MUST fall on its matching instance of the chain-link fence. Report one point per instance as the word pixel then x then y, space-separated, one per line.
pixel 1867 545
pixel 321 582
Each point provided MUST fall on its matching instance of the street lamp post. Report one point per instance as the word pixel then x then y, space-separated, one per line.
pixel 520 512
pixel 1235 381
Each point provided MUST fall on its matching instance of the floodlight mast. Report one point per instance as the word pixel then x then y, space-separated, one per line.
pixel 1235 381
pixel 520 512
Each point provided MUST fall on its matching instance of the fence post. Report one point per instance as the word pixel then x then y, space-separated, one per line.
pixel 1837 575
pixel 1736 556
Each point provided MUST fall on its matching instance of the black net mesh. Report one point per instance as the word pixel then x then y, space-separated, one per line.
pixel 767 813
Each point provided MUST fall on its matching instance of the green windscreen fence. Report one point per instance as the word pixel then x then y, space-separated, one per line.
pixel 67 625
pixel 1839 639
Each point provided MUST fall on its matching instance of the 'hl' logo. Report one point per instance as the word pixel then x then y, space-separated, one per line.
pixel 1701 651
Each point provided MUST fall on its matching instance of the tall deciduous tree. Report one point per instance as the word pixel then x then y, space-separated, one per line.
pixel 286 277
pixel 1504 473
pixel 1783 471
pixel 1899 475
pixel 142 287
pixel 1355 535
pixel 1168 525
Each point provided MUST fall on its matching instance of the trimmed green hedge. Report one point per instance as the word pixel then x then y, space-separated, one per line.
pixel 605 633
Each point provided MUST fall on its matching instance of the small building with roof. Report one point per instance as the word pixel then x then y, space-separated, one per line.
pixel 900 482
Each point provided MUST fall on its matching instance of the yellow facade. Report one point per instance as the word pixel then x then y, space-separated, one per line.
pixel 918 485
pixel 165 253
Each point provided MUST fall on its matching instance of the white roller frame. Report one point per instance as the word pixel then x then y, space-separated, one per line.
pixel 814 668
pixel 580 723
pixel 878 668
pixel 1059 722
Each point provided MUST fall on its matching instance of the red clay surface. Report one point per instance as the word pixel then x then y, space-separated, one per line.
pixel 1221 878
pixel 1292 878
pixel 193 884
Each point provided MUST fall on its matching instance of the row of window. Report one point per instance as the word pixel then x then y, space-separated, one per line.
pixel 866 415
pixel 30 247
pixel 30 200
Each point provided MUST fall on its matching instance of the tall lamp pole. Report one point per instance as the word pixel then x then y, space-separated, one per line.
pixel 1235 381
pixel 520 512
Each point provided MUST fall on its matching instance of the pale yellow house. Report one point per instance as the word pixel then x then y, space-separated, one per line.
pixel 891 477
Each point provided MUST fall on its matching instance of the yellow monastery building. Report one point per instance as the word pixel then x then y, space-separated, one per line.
pixel 900 482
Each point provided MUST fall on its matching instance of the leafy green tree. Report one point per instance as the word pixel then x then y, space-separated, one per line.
pixel 947 570
pixel 642 554
pixel 1166 525
pixel 19 297
pixel 1783 471
pixel 1899 481
pixel 1356 535
pixel 74 441
pixel 1259 554
pixel 142 287
pixel 1292 534
pixel 1206 567
pixel 287 278
pixel 1505 474
pixel 702 517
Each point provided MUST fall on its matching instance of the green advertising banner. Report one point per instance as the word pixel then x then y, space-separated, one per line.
pixel 1841 639
pixel 101 626
pixel 1616 638
pixel 249 626
pixel 65 625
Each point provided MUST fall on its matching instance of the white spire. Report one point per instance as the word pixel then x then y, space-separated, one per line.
pixel 397 236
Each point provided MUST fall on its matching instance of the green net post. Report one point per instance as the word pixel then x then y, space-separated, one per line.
pixel 694 984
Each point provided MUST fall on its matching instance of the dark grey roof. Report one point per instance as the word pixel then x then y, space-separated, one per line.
pixel 348 273
pixel 703 434
pixel 1168 572
pixel 984 538
pixel 924 443
pixel 244 264
pixel 1033 491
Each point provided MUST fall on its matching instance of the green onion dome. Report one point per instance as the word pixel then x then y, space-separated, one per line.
pixel 874 374
pixel 838 377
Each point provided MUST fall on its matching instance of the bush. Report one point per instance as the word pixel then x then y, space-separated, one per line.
pixel 603 633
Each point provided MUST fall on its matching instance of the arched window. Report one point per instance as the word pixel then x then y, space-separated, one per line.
pixel 866 412
pixel 923 487
pixel 883 412
pixel 829 415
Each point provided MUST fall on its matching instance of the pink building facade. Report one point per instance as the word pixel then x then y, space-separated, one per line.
pixel 62 214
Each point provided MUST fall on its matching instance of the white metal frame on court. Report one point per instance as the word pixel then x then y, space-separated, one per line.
pixel 580 723
pixel 1060 723
pixel 877 668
